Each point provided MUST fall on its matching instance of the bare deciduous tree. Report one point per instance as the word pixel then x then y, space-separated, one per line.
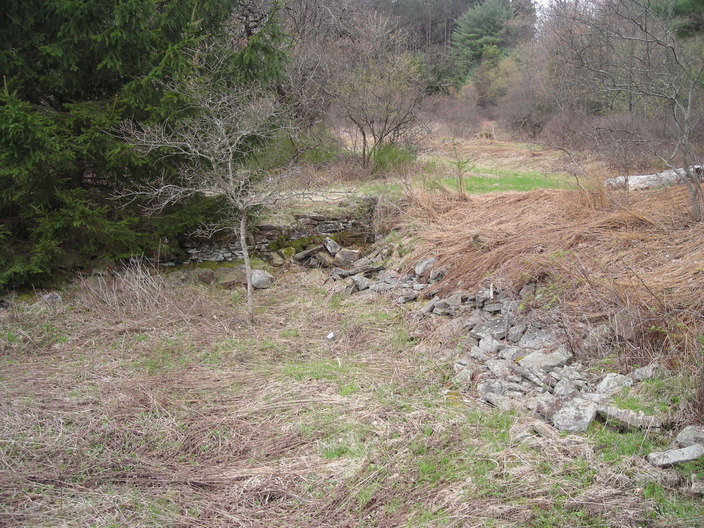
pixel 379 89
pixel 213 150
pixel 629 51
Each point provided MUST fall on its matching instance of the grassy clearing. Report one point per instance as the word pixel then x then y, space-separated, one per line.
pixel 479 180
pixel 167 409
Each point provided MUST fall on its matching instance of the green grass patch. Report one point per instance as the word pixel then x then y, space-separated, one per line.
pixel 320 369
pixel 685 510
pixel 495 179
pixel 613 445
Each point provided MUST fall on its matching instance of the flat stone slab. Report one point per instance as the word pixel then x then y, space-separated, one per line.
pixel 613 383
pixel 676 456
pixel 629 419
pixel 558 358
pixel 693 434
pixel 428 307
pixel 575 416
pixel 346 257
pixel 538 338
pixel 496 328
pixel 332 246
pixel 307 253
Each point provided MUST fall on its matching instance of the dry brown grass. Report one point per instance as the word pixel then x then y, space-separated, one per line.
pixel 597 256
pixel 143 415
pixel 503 154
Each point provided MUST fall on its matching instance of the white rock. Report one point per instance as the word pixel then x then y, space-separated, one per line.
pixel 575 416
pixel 693 434
pixel 613 383
pixel 676 456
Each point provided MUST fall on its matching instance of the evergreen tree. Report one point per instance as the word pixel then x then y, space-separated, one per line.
pixel 479 27
pixel 73 70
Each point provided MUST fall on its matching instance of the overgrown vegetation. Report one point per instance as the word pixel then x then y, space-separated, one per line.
pixel 183 415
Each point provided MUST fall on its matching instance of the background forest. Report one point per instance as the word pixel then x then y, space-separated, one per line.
pixel 81 80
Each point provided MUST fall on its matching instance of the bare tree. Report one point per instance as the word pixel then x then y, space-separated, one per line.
pixel 629 51
pixel 213 150
pixel 379 89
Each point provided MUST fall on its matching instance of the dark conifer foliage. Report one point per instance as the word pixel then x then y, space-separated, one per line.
pixel 72 70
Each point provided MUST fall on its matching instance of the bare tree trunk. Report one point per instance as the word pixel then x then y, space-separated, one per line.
pixel 365 150
pixel 247 265
pixel 695 192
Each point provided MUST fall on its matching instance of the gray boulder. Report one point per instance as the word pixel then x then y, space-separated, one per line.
pixel 575 416
pixel 693 434
pixel 262 279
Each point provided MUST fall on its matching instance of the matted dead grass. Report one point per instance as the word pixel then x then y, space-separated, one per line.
pixel 172 411
pixel 596 255
pixel 503 154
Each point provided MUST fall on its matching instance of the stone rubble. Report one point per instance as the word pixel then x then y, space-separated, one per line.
pixel 512 361
pixel 507 358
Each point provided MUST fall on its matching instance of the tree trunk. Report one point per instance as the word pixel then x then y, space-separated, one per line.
pixel 247 265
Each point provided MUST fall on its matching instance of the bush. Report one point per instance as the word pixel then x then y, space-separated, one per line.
pixel 391 157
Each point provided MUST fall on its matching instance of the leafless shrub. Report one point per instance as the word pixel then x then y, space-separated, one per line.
pixel 453 116
pixel 140 296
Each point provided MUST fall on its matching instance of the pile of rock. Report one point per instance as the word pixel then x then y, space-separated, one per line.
pixel 514 362
pixel 328 254
pixel 305 226
pixel 227 277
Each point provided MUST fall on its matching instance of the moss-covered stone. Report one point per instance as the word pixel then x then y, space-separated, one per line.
pixel 298 244
pixel 287 252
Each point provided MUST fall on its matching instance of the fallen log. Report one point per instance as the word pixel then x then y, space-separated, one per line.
pixel 651 181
